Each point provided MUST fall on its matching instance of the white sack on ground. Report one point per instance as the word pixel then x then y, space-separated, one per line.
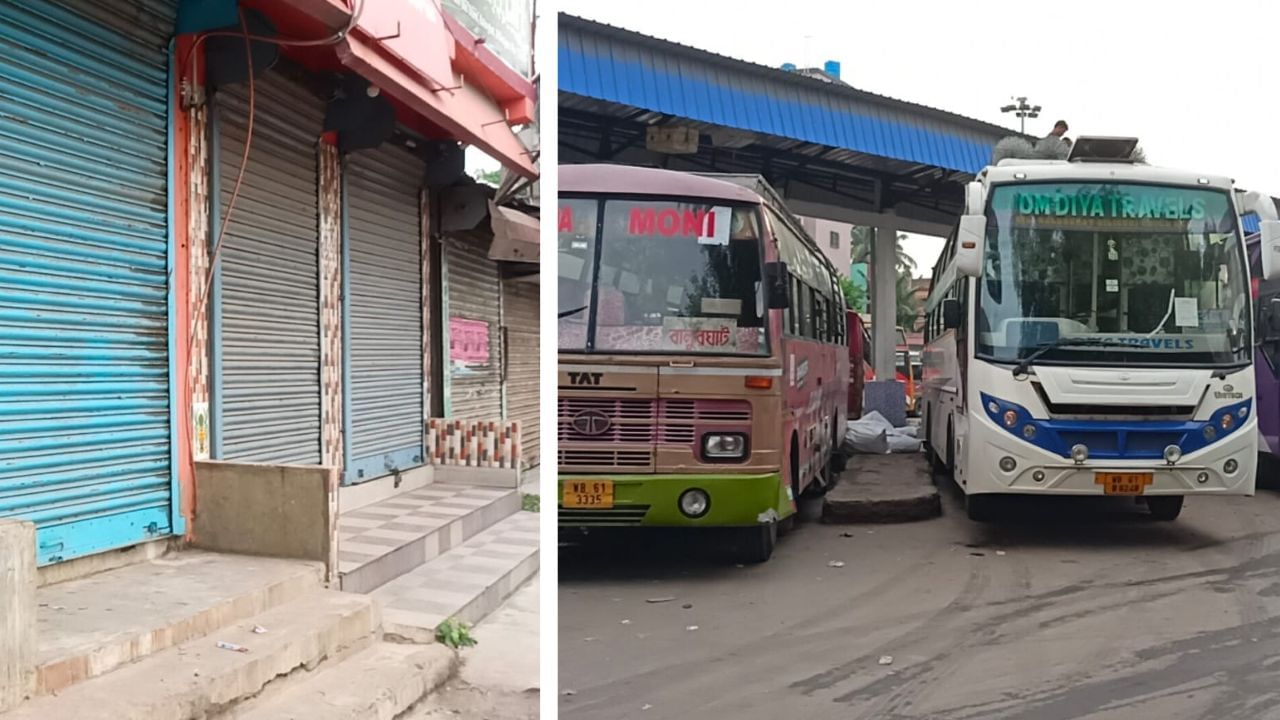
pixel 874 434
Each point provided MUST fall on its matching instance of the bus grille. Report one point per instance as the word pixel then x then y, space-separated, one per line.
pixel 678 418
pixel 615 517
pixel 606 458
pixel 630 420
pixel 640 422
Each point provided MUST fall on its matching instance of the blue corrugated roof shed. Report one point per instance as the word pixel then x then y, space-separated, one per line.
pixel 615 65
pixel 1250 223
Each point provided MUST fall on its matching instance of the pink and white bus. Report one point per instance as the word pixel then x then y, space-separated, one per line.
pixel 703 368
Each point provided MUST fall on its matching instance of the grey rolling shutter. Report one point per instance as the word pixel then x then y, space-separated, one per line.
pixel 85 432
pixel 270 317
pixel 475 383
pixel 520 315
pixel 385 297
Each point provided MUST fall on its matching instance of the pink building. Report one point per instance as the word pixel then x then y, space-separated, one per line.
pixel 834 238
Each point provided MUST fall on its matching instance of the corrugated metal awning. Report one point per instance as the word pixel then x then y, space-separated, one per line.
pixel 614 65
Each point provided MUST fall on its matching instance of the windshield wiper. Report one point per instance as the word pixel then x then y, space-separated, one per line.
pixel 566 313
pixel 1025 364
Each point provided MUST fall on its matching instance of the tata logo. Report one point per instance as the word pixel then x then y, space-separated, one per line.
pixel 585 378
pixel 591 423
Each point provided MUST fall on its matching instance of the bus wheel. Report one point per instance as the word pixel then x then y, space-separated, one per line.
pixel 980 508
pixel 757 543
pixel 1165 507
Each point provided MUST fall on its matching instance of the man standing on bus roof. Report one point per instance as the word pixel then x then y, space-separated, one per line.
pixel 1054 145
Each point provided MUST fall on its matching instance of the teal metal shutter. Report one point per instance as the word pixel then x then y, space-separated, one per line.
pixel 384 294
pixel 85 414
pixel 266 316
pixel 475 344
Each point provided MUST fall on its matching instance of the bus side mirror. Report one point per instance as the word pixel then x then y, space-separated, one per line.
pixel 777 286
pixel 950 314
pixel 1270 250
pixel 969 241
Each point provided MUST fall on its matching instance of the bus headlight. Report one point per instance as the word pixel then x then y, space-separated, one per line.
pixel 1228 421
pixel 721 446
pixel 1010 418
pixel 1230 466
pixel 694 503
pixel 1172 454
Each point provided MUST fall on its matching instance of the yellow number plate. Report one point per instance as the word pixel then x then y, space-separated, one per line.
pixel 1123 483
pixel 588 494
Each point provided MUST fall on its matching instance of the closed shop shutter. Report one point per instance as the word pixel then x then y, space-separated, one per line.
pixel 520 315
pixel 384 284
pixel 267 357
pixel 475 349
pixel 85 418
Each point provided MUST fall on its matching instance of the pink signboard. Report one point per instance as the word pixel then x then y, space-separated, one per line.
pixel 468 341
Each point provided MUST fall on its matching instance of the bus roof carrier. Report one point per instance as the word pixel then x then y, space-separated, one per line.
pixel 1104 149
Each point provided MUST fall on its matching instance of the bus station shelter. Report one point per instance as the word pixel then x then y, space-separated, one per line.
pixel 831 150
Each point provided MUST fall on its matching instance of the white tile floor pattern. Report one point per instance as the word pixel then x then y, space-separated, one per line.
pixel 468 582
pixel 371 532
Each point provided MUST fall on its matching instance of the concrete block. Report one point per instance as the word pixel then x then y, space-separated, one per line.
pixel 887 397
pixel 284 511
pixel 883 489
pixel 18 581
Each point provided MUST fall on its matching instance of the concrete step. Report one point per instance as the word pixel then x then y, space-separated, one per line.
pixel 378 683
pixel 467 582
pixel 892 488
pixel 380 542
pixel 90 626
pixel 197 679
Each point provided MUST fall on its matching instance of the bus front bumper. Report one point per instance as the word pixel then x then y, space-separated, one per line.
pixel 654 501
pixel 1040 472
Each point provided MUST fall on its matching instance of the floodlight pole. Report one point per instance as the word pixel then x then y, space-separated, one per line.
pixel 1023 110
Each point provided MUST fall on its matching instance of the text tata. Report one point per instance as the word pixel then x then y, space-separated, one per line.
pixel 648 221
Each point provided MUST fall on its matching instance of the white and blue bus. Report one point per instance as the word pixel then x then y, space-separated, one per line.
pixel 1090 332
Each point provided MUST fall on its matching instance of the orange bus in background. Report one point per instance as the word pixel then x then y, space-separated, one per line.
pixel 703 371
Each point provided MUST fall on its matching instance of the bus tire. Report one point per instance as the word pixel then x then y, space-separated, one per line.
pixel 757 543
pixel 1165 508
pixel 980 508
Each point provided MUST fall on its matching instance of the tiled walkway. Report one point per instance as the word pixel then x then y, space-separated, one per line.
pixel 405 531
pixel 468 583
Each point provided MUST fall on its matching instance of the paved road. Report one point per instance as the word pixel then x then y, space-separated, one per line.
pixel 1086 611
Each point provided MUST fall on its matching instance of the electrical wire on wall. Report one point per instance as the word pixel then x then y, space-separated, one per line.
pixel 216 251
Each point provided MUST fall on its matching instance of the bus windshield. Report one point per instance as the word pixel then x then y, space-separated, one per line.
pixel 1150 275
pixel 669 276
